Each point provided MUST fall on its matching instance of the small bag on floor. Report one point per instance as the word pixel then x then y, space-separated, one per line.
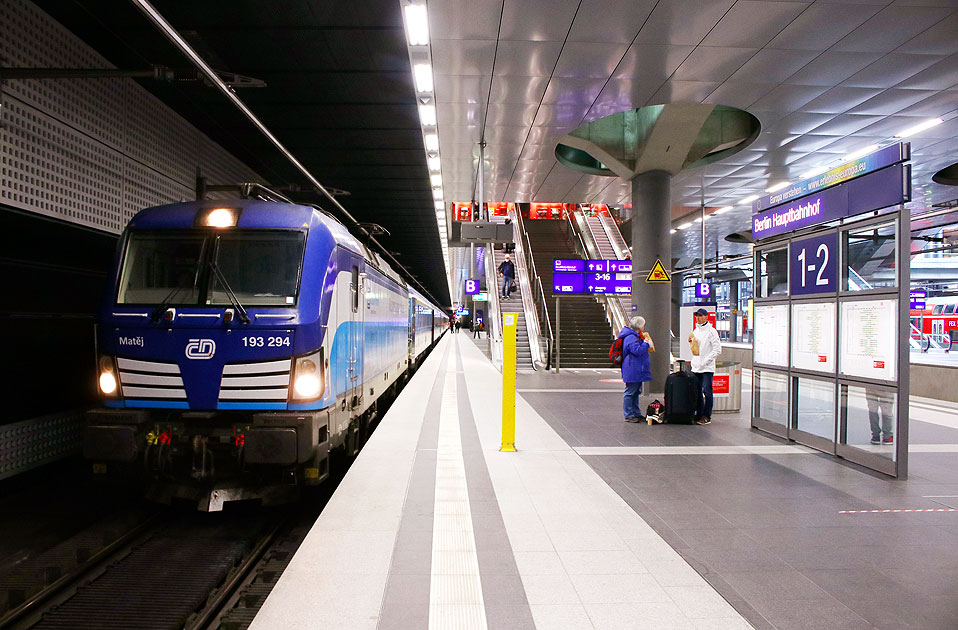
pixel 655 412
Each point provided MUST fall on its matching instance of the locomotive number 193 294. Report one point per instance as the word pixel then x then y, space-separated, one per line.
pixel 270 342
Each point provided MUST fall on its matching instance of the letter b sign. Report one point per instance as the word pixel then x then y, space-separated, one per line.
pixel 472 287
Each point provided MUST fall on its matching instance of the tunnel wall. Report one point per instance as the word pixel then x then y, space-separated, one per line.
pixel 77 159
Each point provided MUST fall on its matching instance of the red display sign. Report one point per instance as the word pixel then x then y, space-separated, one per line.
pixel 720 384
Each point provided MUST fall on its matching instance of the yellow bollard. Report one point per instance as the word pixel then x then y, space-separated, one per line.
pixel 508 383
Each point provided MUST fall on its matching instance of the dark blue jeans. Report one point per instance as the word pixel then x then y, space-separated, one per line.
pixel 506 288
pixel 630 400
pixel 705 380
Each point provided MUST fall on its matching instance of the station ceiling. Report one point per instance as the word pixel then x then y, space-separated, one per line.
pixel 339 96
pixel 824 79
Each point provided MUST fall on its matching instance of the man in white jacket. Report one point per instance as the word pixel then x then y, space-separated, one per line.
pixel 703 364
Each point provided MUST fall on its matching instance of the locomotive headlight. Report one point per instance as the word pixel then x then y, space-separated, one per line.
pixel 308 377
pixel 107 380
pixel 220 218
pixel 107 383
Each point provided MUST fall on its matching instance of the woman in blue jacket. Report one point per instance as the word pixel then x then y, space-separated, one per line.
pixel 636 345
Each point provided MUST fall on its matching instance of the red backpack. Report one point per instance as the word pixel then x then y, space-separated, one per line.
pixel 615 352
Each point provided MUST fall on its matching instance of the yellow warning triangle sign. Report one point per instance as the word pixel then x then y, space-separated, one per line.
pixel 658 273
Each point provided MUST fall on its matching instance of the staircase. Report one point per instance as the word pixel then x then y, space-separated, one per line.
pixel 513 304
pixel 584 335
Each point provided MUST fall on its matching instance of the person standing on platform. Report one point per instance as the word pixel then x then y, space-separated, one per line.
pixel 706 348
pixel 879 401
pixel 507 271
pixel 636 366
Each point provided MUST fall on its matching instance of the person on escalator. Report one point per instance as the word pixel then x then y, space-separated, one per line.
pixel 507 271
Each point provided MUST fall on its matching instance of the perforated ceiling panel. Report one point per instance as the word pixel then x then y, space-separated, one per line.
pixel 91 151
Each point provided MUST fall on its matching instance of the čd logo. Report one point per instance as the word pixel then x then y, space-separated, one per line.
pixel 200 349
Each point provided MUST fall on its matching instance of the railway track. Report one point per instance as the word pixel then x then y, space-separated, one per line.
pixel 170 572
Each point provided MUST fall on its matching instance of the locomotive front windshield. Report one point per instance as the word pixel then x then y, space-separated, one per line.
pixel 262 268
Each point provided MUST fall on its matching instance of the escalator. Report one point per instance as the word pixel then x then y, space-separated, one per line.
pixel 582 331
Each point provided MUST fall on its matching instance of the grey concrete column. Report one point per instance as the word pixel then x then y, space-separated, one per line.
pixel 651 241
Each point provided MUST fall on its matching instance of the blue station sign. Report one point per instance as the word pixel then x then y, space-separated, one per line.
pixel 877 190
pixel 568 265
pixel 813 265
pixel 870 163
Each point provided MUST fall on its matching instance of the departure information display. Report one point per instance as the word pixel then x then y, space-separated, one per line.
pixel 771 335
pixel 869 347
pixel 813 336
pixel 592 276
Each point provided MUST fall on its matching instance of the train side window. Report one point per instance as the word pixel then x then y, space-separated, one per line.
pixel 949 309
pixel 354 286
pixel 937 310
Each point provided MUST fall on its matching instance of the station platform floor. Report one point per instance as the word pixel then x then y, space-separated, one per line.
pixel 598 523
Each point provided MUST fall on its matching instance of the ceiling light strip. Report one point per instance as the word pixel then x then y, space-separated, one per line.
pixel 167 29
pixel 416 20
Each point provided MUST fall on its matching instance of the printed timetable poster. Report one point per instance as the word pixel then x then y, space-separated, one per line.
pixel 770 344
pixel 813 336
pixel 869 343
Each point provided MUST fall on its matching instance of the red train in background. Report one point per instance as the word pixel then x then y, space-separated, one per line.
pixel 936 320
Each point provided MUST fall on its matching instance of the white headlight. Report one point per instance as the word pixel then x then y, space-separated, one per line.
pixel 307 385
pixel 220 218
pixel 107 383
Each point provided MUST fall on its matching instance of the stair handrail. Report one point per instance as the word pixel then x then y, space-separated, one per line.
pixel 613 307
pixel 494 333
pixel 550 337
pixel 526 285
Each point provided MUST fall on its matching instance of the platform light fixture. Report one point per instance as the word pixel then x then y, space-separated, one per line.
pixel 672 231
pixel 722 210
pixel 928 124
pixel 777 186
pixel 432 142
pixel 427 114
pixel 437 193
pixel 417 24
pixel 433 163
pixel 436 180
pixel 683 226
pixel 747 200
pixel 422 75
pixel 441 206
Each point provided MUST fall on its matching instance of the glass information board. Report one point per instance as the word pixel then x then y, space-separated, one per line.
pixel 869 340
pixel 813 337
pixel 771 335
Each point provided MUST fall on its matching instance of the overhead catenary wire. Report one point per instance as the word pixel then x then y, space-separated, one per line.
pixel 171 33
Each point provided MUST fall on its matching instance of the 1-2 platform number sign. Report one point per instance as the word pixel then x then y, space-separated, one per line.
pixel 813 263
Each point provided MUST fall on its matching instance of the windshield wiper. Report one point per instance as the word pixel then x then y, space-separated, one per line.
pixel 164 303
pixel 244 317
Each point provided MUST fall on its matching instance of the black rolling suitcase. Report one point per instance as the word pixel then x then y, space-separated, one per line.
pixel 681 398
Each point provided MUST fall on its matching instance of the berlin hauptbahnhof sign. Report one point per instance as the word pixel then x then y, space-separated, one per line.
pixel 861 191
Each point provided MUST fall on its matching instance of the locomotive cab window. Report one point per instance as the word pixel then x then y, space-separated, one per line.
pixel 161 268
pixel 261 268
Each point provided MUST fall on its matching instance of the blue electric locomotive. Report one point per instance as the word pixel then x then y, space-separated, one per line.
pixel 244 343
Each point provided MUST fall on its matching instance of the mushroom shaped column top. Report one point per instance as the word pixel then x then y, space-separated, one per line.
pixel 671 138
